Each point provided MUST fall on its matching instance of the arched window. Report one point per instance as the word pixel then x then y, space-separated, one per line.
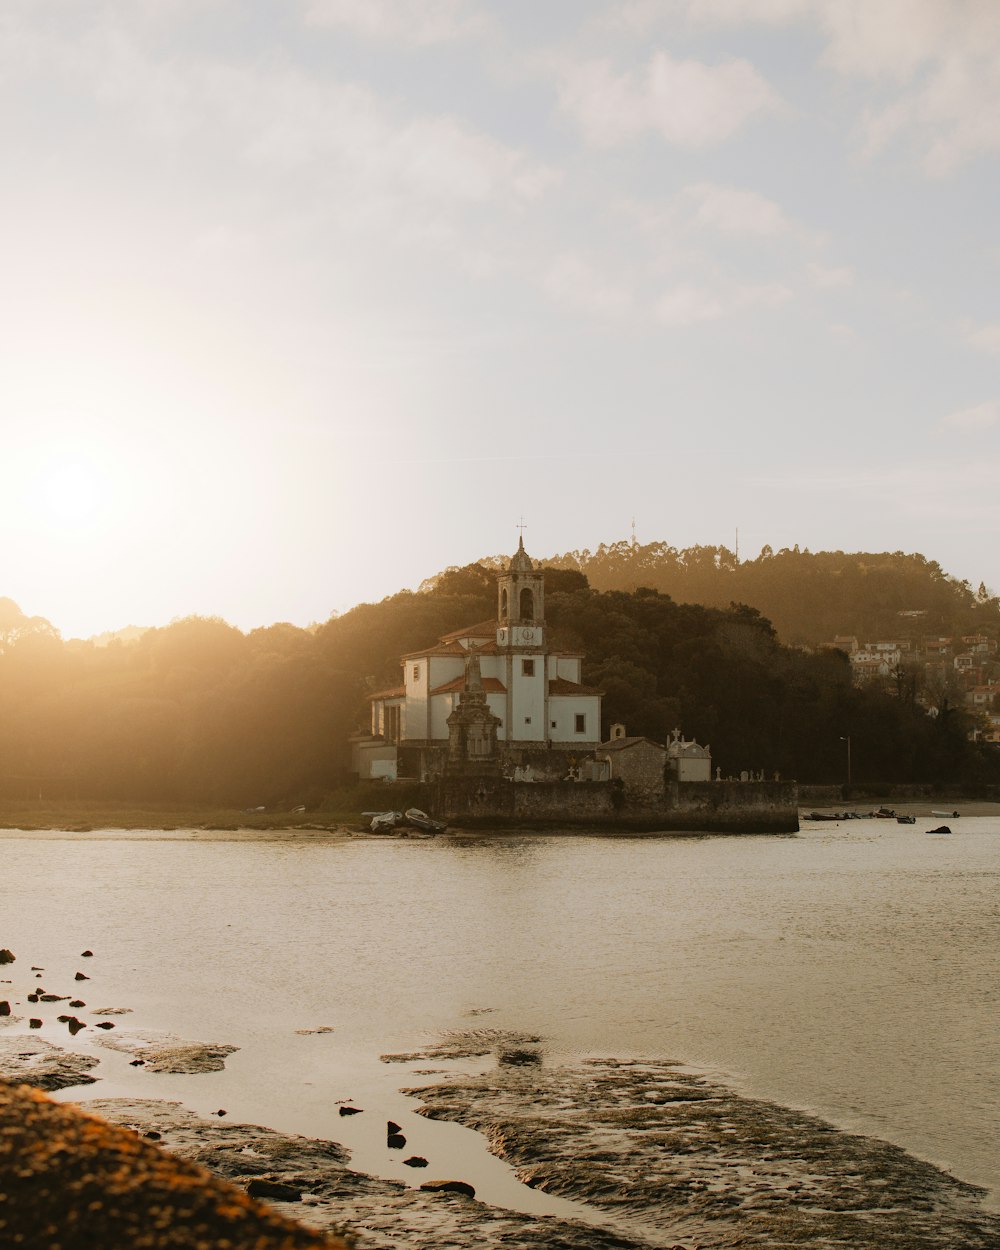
pixel 503 604
pixel 527 605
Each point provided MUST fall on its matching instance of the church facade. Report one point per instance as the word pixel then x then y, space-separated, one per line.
pixel 534 693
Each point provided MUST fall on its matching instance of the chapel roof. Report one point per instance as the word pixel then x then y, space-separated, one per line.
pixel 396 692
pixel 482 629
pixel 621 744
pixel 439 648
pixel 491 685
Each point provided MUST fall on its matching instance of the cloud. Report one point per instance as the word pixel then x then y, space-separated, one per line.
pixel 933 65
pixel 829 277
pixel 687 304
pixel 641 16
pixel 986 338
pixel 687 103
pixel 735 211
pixel 575 282
pixel 420 22
pixel 980 417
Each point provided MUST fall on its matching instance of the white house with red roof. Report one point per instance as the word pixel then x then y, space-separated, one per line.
pixel 535 693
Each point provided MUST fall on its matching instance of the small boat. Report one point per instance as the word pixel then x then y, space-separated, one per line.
pixel 942 829
pixel 383 822
pixel 885 813
pixel 824 816
pixel 906 820
pixel 420 820
pixel 952 815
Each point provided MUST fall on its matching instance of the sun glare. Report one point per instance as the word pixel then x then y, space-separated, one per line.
pixel 69 495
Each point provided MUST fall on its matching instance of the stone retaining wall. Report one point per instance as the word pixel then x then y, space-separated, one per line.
pixel 708 806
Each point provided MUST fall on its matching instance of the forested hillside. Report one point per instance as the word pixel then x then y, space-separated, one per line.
pixel 198 711
pixel 810 597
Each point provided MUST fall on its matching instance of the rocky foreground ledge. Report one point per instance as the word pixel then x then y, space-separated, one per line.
pixel 69 1181
pixel 655 1156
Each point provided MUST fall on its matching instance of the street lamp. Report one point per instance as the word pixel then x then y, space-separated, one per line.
pixel 848 741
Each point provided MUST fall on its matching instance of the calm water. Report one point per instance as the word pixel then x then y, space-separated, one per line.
pixel 854 969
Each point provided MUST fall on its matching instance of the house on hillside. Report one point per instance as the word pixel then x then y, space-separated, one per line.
pixel 534 692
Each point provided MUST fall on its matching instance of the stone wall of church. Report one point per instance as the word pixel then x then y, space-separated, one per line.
pixel 709 807
pixel 641 769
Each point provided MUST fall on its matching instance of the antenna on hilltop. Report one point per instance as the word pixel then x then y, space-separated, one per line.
pixel 737 544
pixel 635 542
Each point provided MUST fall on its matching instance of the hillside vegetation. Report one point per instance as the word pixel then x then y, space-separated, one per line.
pixel 200 712
pixel 809 597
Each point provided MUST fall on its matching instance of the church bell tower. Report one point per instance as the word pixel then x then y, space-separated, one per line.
pixel 520 603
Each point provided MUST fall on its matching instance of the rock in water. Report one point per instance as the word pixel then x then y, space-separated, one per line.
pixel 415 1161
pixel 261 1187
pixel 351 1110
pixel 395 1141
pixel 81 976
pixel 449 1187
pixel 6 956
pixel 4 1008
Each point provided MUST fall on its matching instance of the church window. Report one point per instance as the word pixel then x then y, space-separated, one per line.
pixel 527 605
pixel 416 672
pixel 503 604
pixel 581 722
pixel 553 724
pixel 528 668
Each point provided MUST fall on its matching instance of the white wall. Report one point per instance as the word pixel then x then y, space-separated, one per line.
pixel 416 724
pixel 528 701
pixel 563 710
pixel 565 666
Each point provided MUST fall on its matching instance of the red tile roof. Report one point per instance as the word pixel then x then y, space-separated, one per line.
pixel 483 629
pixel 396 692
pixel 490 684
pixel 451 648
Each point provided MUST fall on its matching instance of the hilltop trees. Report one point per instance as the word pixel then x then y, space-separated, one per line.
pixel 810 597
pixel 199 711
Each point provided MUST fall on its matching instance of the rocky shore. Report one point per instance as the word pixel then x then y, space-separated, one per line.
pixel 656 1156
pixel 676 1159
pixel 651 1154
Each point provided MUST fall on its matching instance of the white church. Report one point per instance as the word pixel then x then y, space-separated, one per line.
pixel 535 693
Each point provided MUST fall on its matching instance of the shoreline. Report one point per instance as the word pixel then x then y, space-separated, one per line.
pixel 652 1153
pixel 910 807
pixel 86 817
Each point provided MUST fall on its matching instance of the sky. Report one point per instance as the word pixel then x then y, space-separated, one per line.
pixel 302 301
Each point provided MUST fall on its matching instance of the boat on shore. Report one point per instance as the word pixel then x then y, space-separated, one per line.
pixel 413 818
pixel 420 820
pixel 383 822
pixel 949 815
pixel 906 820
